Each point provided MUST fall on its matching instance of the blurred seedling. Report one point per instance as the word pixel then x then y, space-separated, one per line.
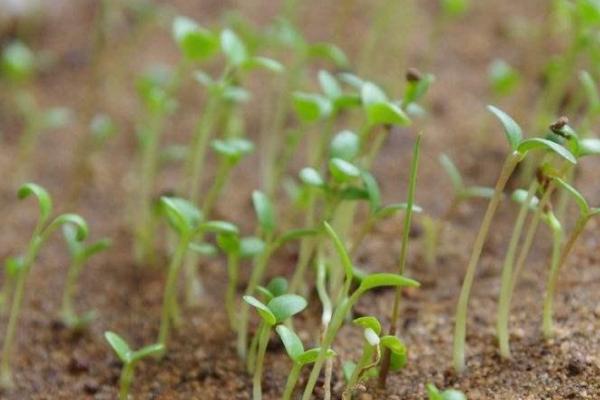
pixel 433 393
pixel 129 358
pixel 45 226
pixel 300 357
pixel 434 227
pixel 274 312
pixel 11 269
pixel 347 301
pixel 519 148
pixel 80 254
pixel 504 79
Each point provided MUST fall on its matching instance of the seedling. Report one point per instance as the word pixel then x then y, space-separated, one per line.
pixel 300 357
pixel 519 149
pixel 433 393
pixel 347 301
pixel 80 254
pixel 504 79
pixel 18 63
pixel 46 225
pixel 11 269
pixel 276 311
pixel 129 358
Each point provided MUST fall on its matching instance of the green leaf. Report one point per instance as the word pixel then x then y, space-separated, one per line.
pixel 311 177
pixel 386 279
pixel 503 78
pixel 352 80
pixel 285 306
pixel 583 205
pixel 341 250
pixel 453 394
pixel 310 356
pixel 329 85
pixel 96 247
pixel 13 265
pixel 589 147
pixel 391 209
pixel 119 345
pixel 251 246
pixel 520 196
pixel 329 52
pixel 183 216
pixel 278 286
pixel 478 191
pixel 538 143
pixel 220 227
pixel 345 145
pixel 195 42
pixel 294 234
pixel 373 190
pixel 265 313
pixel 432 392
pixel 311 107
pixel 455 8
pixel 233 48
pixel 81 227
pixel 263 63
pixel 591 91
pixel 18 61
pixel 415 90
pixel 342 170
pixel 74 246
pixel 369 322
pixel 453 173
pixel 264 211
pixel 371 94
pixel 386 113
pixel 102 127
pixel 44 199
pixel 394 344
pixel 147 351
pixel 348 370
pixel 353 193
pixel 291 342
pixel 232 148
pixel 398 361
pixel 204 249
pixel 512 130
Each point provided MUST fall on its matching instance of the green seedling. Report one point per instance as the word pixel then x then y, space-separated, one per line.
pixel 129 358
pixel 433 393
pixel 11 269
pixel 80 254
pixel 454 8
pixel 45 226
pixel 461 192
pixel 300 357
pixel 18 63
pixel 519 149
pixel 347 301
pixel 276 311
pixel 504 79
pixel 412 185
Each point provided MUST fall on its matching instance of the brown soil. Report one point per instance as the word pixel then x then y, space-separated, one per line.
pixel 52 363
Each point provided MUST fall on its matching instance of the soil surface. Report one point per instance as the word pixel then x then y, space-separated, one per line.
pixel 53 363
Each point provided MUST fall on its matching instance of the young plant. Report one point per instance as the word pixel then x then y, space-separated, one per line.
pixel 276 311
pixel 80 254
pixel 11 269
pixel 433 393
pixel 300 357
pixel 45 226
pixel 347 301
pixel 129 358
pixel 519 149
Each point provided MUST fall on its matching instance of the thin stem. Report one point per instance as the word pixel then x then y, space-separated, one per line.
pixel 67 309
pixel 291 381
pixel 367 355
pixel 260 358
pixel 125 380
pixel 170 289
pixel 233 266
pixel 460 327
pixel 507 269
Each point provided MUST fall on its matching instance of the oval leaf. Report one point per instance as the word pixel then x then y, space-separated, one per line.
pixel 544 144
pixel 119 345
pixel 264 211
pixel 291 342
pixel 386 279
pixel 265 313
pixel 512 130
pixel 285 306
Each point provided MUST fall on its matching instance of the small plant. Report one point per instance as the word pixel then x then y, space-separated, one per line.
pixel 11 269
pixel 504 79
pixel 433 393
pixel 43 229
pixel 347 301
pixel 300 357
pixel 276 311
pixel 519 149
pixel 80 254
pixel 129 358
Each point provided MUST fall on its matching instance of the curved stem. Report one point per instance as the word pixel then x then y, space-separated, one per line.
pixel 125 381
pixel 460 327
pixel 67 309
pixel 260 357
pixel 291 381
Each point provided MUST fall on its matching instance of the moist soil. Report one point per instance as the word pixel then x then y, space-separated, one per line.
pixel 52 362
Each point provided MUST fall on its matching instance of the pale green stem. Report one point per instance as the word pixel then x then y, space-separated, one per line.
pixel 364 360
pixel 67 309
pixel 233 266
pixel 507 269
pixel 460 327
pixel 291 381
pixel 126 380
pixel 260 358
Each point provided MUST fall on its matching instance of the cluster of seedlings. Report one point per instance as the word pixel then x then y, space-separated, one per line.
pixel 335 199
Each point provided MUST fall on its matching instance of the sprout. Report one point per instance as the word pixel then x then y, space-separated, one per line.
pixel 454 8
pixel 449 394
pixel 503 78
pixel 379 110
pixel 12 265
pixel 519 149
pixel 300 357
pixel 347 301
pixel 195 42
pixel 129 358
pixel 276 311
pixel 80 254
pixel 18 62
pixel 46 225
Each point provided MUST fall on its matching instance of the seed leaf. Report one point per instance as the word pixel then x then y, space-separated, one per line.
pixel 453 173
pixel 478 191
pixel 371 337
pixel 372 189
pixel 589 147
pixel 264 211
pixel 220 227
pixel 232 148
pixel 329 85
pixel 233 48
pixel 294 234
pixel 416 90
pixel 386 279
pixel 371 94
pixel 96 247
pixel 311 177
pixel 343 170
pixel 399 355
pixel 583 205
pixel 341 250
pixel 329 52
pixel 311 107
pixel 81 227
pixel 263 63
pixel 278 286
pixel 44 199
pixel 119 345
pixel 195 42
pixel 183 216
pixel 538 143
pixel 291 342
pixel 285 306
pixel 369 322
pixel 391 209
pixel 251 246
pixel 512 130
pixel 147 351
pixel 386 113
pixel 205 249
pixel 310 356
pixel 345 145
pixel 265 313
